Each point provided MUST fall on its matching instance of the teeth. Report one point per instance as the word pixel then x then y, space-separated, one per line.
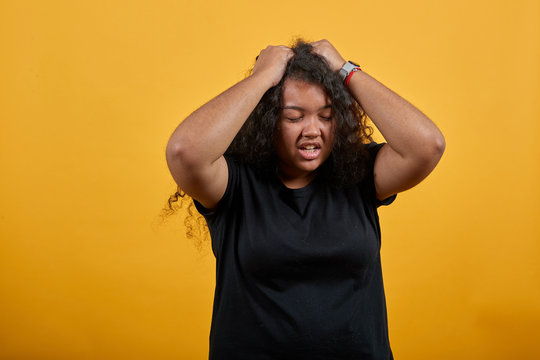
pixel 310 147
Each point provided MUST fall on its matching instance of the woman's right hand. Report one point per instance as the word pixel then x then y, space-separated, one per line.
pixel 195 149
pixel 272 62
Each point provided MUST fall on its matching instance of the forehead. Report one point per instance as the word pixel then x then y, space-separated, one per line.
pixel 302 94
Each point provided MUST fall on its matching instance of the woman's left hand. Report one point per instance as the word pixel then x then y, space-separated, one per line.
pixel 329 52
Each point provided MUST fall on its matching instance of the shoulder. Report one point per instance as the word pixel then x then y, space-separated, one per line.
pixel 373 150
pixel 244 180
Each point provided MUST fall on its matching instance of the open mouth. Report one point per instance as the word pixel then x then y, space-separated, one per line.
pixel 310 148
pixel 309 151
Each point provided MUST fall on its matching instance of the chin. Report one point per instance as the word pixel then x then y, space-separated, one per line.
pixel 310 165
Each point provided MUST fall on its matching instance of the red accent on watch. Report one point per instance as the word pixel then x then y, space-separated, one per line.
pixel 350 75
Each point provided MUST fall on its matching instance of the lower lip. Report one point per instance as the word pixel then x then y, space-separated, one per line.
pixel 309 155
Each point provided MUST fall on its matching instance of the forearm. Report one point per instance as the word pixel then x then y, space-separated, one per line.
pixel 206 134
pixel 405 128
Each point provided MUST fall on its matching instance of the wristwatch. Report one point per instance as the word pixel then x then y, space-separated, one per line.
pixel 347 68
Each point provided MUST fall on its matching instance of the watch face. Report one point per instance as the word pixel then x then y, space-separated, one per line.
pixel 347 68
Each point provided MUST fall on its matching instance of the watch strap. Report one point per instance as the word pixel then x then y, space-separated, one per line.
pixel 347 68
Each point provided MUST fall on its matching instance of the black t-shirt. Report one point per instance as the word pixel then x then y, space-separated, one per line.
pixel 298 271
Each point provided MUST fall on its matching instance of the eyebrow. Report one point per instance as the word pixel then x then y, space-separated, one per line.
pixel 293 107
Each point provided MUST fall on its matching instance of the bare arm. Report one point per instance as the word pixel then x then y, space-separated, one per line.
pixel 414 143
pixel 195 149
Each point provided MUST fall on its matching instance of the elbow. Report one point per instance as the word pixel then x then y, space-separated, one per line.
pixel 177 152
pixel 172 150
pixel 434 149
pixel 180 161
pixel 182 153
pixel 439 144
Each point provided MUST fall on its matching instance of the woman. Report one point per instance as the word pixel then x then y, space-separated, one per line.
pixel 283 169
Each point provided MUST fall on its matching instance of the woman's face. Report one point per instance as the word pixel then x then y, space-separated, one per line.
pixel 305 131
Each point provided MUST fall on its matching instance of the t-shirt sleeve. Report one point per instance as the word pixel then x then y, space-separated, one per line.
pixel 226 200
pixel 373 148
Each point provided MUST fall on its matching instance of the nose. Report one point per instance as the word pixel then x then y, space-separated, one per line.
pixel 312 127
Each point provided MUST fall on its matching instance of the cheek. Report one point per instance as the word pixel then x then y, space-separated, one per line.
pixel 282 142
pixel 287 135
pixel 331 130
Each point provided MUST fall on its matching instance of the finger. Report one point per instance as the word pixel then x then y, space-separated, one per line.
pixel 316 46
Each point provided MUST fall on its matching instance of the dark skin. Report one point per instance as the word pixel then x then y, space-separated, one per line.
pixel 305 132
pixel 195 149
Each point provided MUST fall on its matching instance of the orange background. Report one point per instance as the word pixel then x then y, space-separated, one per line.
pixel 91 91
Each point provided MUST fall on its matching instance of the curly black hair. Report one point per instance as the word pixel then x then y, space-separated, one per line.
pixel 346 163
pixel 252 145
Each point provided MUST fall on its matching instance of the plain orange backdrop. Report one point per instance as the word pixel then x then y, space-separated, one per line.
pixel 91 91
